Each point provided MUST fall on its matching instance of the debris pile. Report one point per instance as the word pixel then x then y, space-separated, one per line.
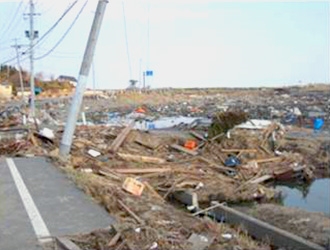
pixel 139 175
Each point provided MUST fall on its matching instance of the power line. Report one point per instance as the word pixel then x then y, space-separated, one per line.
pixel 47 32
pixel 12 20
pixel 12 29
pixel 64 35
pixel 57 22
pixel 126 38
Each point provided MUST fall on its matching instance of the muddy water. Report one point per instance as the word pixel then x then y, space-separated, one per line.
pixel 314 198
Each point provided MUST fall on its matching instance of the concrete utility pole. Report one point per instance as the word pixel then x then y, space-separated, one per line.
pixel 32 36
pixel 17 47
pixel 70 126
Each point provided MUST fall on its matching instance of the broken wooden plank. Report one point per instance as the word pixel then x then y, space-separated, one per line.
pixel 197 135
pixel 215 165
pixel 153 191
pixel 183 149
pixel 262 179
pixel 114 240
pixel 266 150
pixel 236 150
pixel 121 137
pixel 272 159
pixel 141 170
pixel 207 209
pixel 141 158
pixel 128 210
pixel 110 174
pixel 147 141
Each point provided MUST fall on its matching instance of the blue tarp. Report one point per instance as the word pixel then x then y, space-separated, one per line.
pixel 318 123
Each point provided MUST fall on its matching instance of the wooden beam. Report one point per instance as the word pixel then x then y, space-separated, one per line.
pixel 141 170
pixel 215 165
pixel 183 149
pixel 137 218
pixel 234 150
pixel 262 179
pixel 141 158
pixel 147 141
pixel 121 137
pixel 272 159
pixel 197 135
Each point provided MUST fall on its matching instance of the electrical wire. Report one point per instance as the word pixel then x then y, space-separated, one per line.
pixel 126 39
pixel 3 34
pixel 46 33
pixel 57 22
pixel 16 30
pixel 64 35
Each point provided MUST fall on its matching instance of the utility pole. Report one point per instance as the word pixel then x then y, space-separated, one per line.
pixel 32 34
pixel 144 80
pixel 8 73
pixel 17 47
pixel 70 125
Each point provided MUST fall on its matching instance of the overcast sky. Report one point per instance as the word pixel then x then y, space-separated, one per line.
pixel 196 43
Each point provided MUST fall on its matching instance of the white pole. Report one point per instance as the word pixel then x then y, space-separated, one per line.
pixel 70 126
pixel 16 46
pixel 32 36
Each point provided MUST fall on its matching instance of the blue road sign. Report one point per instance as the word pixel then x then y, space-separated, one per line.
pixel 149 73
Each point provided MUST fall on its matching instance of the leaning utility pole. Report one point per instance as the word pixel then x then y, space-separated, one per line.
pixel 70 125
pixel 17 47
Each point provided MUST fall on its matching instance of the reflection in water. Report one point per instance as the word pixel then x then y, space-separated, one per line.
pixel 314 197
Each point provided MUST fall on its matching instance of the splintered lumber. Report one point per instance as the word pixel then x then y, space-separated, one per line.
pixel 183 149
pixel 197 135
pixel 128 210
pixel 266 150
pixel 147 141
pixel 109 174
pixel 141 158
pixel 207 209
pixel 153 191
pixel 262 179
pixel 272 159
pixel 121 137
pixel 114 240
pixel 238 150
pixel 141 170
pixel 215 165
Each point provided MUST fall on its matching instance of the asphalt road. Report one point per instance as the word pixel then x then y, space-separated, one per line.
pixel 38 202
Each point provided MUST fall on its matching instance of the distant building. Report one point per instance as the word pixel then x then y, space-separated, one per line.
pixel 70 79
pixel 6 91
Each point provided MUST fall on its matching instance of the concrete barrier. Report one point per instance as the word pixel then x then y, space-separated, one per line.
pixel 256 228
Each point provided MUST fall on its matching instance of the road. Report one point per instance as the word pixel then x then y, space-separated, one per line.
pixel 38 202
